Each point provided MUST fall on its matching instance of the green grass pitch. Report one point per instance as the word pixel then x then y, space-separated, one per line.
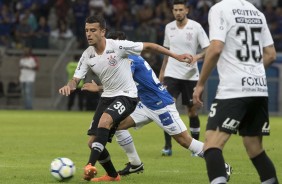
pixel 30 140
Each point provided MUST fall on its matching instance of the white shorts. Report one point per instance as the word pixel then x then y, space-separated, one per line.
pixel 167 118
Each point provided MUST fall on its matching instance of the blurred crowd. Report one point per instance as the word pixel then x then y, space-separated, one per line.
pixel 50 23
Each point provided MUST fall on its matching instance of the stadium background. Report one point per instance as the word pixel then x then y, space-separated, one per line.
pixel 22 23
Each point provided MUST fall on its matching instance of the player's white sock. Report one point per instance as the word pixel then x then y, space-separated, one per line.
pixel 196 146
pixel 125 140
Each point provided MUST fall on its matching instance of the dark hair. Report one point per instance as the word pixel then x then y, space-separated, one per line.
pixel 185 2
pixel 116 35
pixel 96 19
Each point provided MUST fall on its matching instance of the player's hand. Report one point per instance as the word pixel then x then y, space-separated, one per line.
pixel 92 87
pixel 187 58
pixel 197 96
pixel 194 60
pixel 66 90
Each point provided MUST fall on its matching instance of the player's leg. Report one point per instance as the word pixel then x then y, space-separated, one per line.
pixel 109 120
pixel 174 89
pixel 256 125
pixel 167 150
pixel 224 119
pixel 125 140
pixel 90 170
pixel 186 141
pixel 192 111
pixel 260 160
pixel 214 143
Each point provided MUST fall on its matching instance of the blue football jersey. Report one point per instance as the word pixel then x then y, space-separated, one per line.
pixel 150 91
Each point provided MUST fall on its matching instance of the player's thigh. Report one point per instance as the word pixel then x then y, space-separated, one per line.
pixel 168 119
pixel 140 116
pixel 121 107
pixel 215 139
pixel 126 123
pixel 256 120
pixel 226 115
pixel 187 92
pixel 102 105
pixel 173 86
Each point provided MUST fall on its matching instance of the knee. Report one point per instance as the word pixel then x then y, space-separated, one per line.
pixel 253 151
pixel 90 144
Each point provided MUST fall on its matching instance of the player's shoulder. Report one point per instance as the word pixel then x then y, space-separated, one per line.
pixel 194 23
pixel 90 51
pixel 171 24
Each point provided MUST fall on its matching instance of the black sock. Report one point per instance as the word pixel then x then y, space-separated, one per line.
pixel 195 127
pixel 167 141
pixel 105 161
pixel 265 168
pixel 98 145
pixel 215 165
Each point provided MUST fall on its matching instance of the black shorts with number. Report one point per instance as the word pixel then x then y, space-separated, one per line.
pixel 117 107
pixel 177 86
pixel 248 115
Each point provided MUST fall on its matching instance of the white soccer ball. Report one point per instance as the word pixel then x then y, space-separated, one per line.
pixel 62 168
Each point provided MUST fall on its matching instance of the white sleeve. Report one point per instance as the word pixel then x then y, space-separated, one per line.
pixel 166 40
pixel 203 38
pixel 130 48
pixel 82 67
pixel 217 24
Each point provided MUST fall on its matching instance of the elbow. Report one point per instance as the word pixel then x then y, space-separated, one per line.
pixel 272 57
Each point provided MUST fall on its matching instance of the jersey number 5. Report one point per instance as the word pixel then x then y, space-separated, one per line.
pixel 242 31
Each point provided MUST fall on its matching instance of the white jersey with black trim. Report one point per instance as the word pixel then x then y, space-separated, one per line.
pixel 180 41
pixel 243 29
pixel 112 67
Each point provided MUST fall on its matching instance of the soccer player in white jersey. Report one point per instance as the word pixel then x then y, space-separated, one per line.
pixel 157 105
pixel 108 60
pixel 241 47
pixel 183 35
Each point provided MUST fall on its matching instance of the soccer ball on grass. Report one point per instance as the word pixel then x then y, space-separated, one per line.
pixel 62 169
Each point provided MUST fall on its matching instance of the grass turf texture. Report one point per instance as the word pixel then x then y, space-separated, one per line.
pixel 30 140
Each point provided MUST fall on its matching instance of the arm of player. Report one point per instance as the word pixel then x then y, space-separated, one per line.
pixel 211 58
pixel 162 50
pixel 71 86
pixel 92 87
pixel 199 56
pixel 161 75
pixel 269 55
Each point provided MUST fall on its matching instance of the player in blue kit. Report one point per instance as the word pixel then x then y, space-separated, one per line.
pixel 157 105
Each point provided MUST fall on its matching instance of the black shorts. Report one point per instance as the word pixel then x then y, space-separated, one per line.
pixel 248 115
pixel 117 107
pixel 185 87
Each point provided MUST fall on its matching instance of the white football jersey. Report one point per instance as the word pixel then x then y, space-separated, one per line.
pixel 112 67
pixel 184 41
pixel 243 29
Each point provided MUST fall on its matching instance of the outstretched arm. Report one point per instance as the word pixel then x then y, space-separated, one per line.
pixel 161 75
pixel 162 50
